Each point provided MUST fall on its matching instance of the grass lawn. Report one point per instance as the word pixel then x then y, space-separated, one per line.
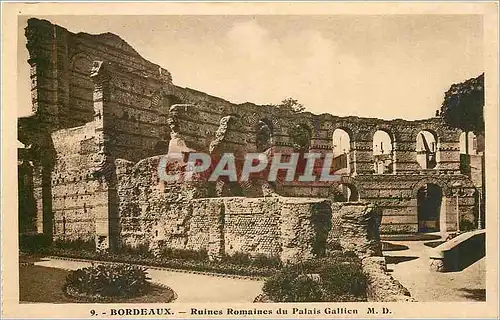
pixel 43 284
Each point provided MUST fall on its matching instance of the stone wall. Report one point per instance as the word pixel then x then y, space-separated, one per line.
pixel 96 101
pixel 396 196
pixel 176 215
pixel 76 194
pixel 60 65
pixel 355 226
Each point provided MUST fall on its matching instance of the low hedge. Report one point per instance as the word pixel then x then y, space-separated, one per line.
pixel 34 242
pixel 227 266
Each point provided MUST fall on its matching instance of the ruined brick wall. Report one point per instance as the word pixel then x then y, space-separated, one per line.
pixel 60 65
pixel 151 210
pixel 134 113
pixel 76 193
pixel 355 226
pixel 81 81
pixel 174 215
pixel 252 225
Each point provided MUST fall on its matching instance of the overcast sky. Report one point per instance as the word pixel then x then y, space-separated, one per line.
pixel 372 66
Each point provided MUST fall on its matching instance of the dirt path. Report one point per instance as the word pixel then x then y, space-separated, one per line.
pixel 411 268
pixel 189 287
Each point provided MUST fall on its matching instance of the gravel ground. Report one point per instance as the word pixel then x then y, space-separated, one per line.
pixel 411 268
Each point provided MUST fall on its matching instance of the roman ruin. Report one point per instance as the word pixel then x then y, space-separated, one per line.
pixel 104 116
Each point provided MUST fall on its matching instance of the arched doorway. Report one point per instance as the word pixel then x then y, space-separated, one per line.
pixel 429 198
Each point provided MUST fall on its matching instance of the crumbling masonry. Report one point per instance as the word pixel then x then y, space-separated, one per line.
pixel 103 116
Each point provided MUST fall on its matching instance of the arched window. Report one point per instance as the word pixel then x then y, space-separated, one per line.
pixel 383 152
pixel 427 149
pixel 341 148
pixel 471 146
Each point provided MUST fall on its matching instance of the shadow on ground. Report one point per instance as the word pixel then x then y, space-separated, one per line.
pixel 433 244
pixel 388 246
pixel 398 259
pixel 474 294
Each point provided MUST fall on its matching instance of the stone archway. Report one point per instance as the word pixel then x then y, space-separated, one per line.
pixel 429 201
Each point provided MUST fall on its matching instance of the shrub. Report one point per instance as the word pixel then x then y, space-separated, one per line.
pixel 291 285
pixel 77 244
pixel 184 254
pixel 336 278
pixel 141 250
pixel 466 225
pixel 343 279
pixel 108 281
pixel 34 242
pixel 261 260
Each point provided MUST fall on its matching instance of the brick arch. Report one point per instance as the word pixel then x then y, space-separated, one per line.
pixel 355 188
pixel 346 128
pixel 445 185
pixel 170 90
pixel 392 132
pixel 160 99
pixel 434 132
pixel 79 57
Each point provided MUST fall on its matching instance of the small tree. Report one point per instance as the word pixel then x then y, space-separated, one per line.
pixel 291 105
pixel 463 107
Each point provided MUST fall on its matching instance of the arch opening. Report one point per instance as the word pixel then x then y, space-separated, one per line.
pixel 429 198
pixel 383 152
pixel 468 146
pixel 427 150
pixel 341 149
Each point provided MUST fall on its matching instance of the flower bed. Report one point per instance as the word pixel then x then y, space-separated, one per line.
pixel 47 285
pixel 103 280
